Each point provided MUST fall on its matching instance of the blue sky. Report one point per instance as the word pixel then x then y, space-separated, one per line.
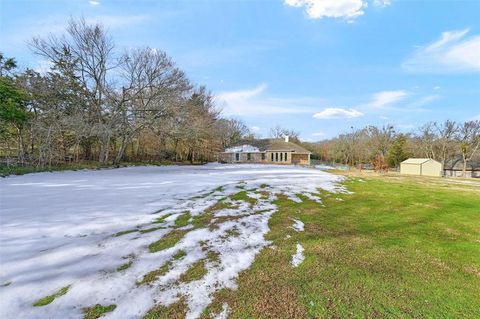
pixel 316 66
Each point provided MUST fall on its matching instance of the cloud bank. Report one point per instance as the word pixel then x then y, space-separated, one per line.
pixel 453 52
pixel 253 102
pixel 386 98
pixel 337 113
pixel 346 9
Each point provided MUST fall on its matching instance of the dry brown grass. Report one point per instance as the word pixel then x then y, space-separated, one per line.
pixel 462 184
pixel 177 310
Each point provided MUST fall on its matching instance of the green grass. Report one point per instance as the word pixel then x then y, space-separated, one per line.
pixel 125 232
pixel 179 255
pixel 154 274
pixel 149 230
pixel 398 249
pixel 195 272
pixel 202 220
pixel 97 311
pixel 21 170
pixel 124 266
pixel 221 204
pixel 161 220
pixel 49 299
pixel 176 311
pixel 169 240
pixel 243 197
pixel 182 220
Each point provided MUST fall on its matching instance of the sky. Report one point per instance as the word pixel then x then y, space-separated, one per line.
pixel 320 67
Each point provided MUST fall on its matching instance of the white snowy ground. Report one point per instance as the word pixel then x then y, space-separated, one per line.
pixel 57 230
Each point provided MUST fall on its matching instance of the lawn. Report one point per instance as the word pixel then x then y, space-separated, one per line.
pixel 256 242
pixel 393 248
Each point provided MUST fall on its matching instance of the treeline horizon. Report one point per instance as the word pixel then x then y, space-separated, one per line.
pixel 99 104
pixel 384 147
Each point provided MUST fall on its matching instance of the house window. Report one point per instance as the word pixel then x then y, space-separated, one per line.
pixel 237 156
pixel 249 156
pixel 286 157
pixel 263 156
pixel 272 156
pixel 281 157
pixel 276 157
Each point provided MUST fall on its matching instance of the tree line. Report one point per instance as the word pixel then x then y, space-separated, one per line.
pixel 98 104
pixel 385 147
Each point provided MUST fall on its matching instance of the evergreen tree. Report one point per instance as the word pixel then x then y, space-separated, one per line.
pixel 397 153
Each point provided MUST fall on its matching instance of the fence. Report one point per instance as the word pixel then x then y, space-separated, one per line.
pixel 329 165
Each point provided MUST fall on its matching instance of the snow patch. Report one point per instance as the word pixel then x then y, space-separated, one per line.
pixel 62 228
pixel 243 149
pixel 298 257
pixel 298 225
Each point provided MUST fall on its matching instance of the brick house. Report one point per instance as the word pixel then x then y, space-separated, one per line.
pixel 267 151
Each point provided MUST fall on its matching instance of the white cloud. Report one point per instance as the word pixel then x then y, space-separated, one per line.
pixel 423 101
pixel 242 94
pixel 337 113
pixel 347 9
pixel 94 2
pixel 386 98
pixel 254 102
pixel 255 129
pixel 384 117
pixel 57 25
pixel 381 3
pixel 317 9
pixel 436 88
pixel 453 52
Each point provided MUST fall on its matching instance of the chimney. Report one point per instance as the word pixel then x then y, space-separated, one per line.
pixel 286 138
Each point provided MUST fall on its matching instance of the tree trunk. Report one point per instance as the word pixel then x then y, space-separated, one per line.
pixel 21 149
pixel 121 151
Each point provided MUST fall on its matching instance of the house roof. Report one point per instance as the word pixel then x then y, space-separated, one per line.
pixel 246 148
pixel 267 145
pixel 417 161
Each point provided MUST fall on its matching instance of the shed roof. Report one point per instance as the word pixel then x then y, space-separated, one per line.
pixel 271 144
pixel 417 161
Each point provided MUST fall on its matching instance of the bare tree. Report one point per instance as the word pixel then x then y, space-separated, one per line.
pixel 469 138
pixel 381 139
pixel 90 51
pixel 281 132
pixel 446 132
pixel 231 131
pixel 153 86
pixel 427 139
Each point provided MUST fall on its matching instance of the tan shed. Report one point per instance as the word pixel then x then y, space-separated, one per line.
pixel 421 166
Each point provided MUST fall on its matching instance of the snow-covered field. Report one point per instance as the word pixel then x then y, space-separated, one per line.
pixel 58 230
